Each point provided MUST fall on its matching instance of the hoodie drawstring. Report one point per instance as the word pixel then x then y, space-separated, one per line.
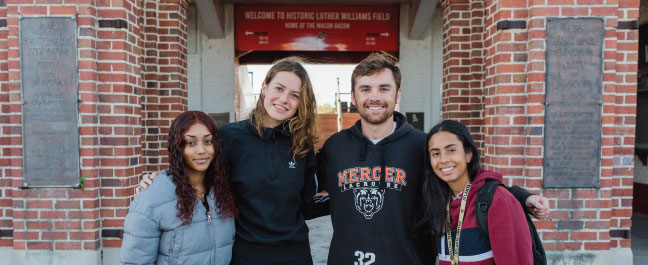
pixel 383 174
pixel 383 154
pixel 363 152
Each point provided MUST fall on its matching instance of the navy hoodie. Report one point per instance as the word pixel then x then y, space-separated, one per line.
pixel 272 191
pixel 373 217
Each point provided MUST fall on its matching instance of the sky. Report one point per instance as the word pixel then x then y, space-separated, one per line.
pixel 323 77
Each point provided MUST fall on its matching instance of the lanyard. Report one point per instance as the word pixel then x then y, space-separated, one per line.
pixel 454 253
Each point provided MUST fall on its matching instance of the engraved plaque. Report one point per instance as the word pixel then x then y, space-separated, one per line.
pixel 574 80
pixel 221 118
pixel 415 119
pixel 48 71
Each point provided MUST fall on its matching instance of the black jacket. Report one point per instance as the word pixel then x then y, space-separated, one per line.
pixel 374 218
pixel 272 192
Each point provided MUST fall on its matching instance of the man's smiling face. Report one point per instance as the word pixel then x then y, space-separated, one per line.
pixel 376 96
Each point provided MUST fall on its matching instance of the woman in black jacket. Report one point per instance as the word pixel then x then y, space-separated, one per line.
pixel 272 167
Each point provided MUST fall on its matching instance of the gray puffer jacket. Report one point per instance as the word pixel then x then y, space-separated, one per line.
pixel 153 233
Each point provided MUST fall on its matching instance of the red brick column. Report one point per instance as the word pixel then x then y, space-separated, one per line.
pixel 152 159
pixel 591 219
pixel 119 84
pixel 513 81
pixel 456 59
pixel 110 58
pixel 625 106
pixel 9 127
pixel 463 60
pixel 475 106
pixel 46 218
pixel 165 76
pixel 505 96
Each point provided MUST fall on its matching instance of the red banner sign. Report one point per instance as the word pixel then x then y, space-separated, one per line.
pixel 316 28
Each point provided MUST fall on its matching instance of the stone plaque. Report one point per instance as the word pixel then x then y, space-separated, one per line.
pixel 48 71
pixel 221 118
pixel 416 119
pixel 574 81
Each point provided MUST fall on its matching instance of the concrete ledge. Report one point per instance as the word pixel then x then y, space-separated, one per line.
pixel 111 256
pixel 33 257
pixel 5 253
pixel 602 257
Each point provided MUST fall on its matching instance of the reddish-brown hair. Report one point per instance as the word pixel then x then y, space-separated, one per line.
pixel 216 178
pixel 375 63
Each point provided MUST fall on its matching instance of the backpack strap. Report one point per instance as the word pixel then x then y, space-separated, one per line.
pixel 483 203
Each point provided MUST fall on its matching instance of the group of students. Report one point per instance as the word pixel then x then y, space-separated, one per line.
pixel 240 194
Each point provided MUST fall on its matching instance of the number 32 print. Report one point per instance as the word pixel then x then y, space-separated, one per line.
pixel 364 258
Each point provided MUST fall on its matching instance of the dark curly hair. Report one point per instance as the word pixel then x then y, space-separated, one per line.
pixel 216 178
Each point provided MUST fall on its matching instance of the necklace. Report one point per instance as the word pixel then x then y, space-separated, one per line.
pixel 454 253
pixel 199 193
pixel 205 203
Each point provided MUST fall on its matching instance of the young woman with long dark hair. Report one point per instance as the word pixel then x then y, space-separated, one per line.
pixel 450 192
pixel 187 216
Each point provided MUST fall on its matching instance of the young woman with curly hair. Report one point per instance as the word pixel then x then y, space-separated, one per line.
pixel 272 166
pixel 187 216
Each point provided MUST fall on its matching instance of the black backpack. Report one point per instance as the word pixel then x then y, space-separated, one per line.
pixel 483 203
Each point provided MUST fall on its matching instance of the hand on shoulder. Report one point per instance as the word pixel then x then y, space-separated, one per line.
pixel 147 179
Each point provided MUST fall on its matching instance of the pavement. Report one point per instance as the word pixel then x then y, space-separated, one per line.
pixel 639 234
pixel 320 235
pixel 321 232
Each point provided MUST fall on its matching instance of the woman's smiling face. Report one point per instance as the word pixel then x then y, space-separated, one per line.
pixel 199 148
pixel 281 98
pixel 448 158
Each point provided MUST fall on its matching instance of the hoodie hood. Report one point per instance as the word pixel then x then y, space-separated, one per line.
pixel 402 129
pixel 269 133
pixel 483 175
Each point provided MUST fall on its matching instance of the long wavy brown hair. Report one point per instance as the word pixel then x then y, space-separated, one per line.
pixel 303 125
pixel 216 178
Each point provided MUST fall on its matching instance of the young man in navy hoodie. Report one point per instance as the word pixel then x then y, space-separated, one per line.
pixel 374 217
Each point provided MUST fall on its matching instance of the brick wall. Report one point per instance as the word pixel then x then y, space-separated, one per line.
pixel 511 89
pixel 9 128
pixel 165 76
pixel 124 46
pixel 151 54
pixel 624 100
pixel 119 86
pixel 132 83
pixel 54 219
